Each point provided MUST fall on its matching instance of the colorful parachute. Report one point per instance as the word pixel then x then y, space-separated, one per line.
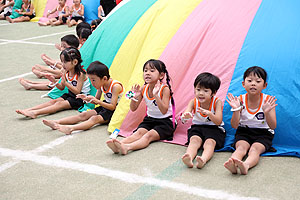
pixel 190 37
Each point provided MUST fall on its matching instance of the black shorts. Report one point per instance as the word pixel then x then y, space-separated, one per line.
pixel 30 16
pixel 164 127
pixel 252 135
pixel 74 102
pixel 105 113
pixel 64 19
pixel 208 132
pixel 7 14
pixel 77 18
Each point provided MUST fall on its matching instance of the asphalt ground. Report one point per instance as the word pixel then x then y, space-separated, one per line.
pixel 39 163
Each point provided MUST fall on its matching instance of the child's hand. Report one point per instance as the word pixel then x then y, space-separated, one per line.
pixel 137 90
pixel 48 14
pixel 234 102
pixel 91 99
pixel 81 96
pixel 156 88
pixel 186 115
pixel 63 76
pixel 269 104
pixel 203 111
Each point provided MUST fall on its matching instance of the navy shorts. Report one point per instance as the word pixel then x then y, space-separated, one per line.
pixel 208 132
pixel 105 113
pixel 164 127
pixel 252 135
pixel 64 19
pixel 77 18
pixel 73 101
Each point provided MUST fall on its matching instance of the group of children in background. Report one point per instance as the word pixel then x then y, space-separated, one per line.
pixel 253 115
pixel 66 15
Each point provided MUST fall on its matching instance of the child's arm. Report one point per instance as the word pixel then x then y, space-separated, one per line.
pixel 90 98
pixel 51 12
pixel 117 88
pixel 269 110
pixel 81 10
pixel 235 103
pixel 136 100
pixel 216 117
pixel 100 10
pixel 188 112
pixel 163 104
pixel 61 85
pixel 27 13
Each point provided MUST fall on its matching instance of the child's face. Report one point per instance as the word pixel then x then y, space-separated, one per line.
pixel 203 94
pixel 253 84
pixel 64 45
pixel 68 65
pixel 76 2
pixel 61 2
pixel 96 81
pixel 152 75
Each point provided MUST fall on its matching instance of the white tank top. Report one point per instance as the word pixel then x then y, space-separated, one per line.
pixel 201 119
pixel 62 11
pixel 108 93
pixel 85 87
pixel 8 8
pixel 75 12
pixel 152 108
pixel 253 118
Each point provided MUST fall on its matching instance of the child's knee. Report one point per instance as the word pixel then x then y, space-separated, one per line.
pixel 195 139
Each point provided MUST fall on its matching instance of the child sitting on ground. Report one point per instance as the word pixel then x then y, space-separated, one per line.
pixel 254 118
pixel 112 91
pixel 157 125
pixel 73 77
pixel 77 12
pixel 54 65
pixel 63 13
pixel 27 12
pixel 207 130
pixel 6 8
pixel 84 34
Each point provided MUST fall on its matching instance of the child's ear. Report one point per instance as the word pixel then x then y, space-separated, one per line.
pixel 105 78
pixel 265 85
pixel 75 62
pixel 161 76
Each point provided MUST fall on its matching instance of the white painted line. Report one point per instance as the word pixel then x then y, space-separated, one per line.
pixel 25 42
pixel 119 175
pixel 40 149
pixel 15 77
pixel 43 36
pixel 8 165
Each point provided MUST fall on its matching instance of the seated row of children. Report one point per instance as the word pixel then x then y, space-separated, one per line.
pixel 253 113
pixel 52 69
pixel 71 16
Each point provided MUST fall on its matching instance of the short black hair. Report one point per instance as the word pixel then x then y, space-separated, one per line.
pixel 82 25
pixel 71 40
pixel 260 72
pixel 95 23
pixel 208 80
pixel 84 33
pixel 99 69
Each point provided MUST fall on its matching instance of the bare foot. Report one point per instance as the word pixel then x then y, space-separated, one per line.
pixel 200 162
pixel 45 59
pixel 24 83
pixel 112 146
pixel 37 73
pixel 27 113
pixel 120 146
pixel 242 166
pixel 187 160
pixel 64 129
pixel 229 164
pixel 51 123
pixel 42 24
pixel 9 19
